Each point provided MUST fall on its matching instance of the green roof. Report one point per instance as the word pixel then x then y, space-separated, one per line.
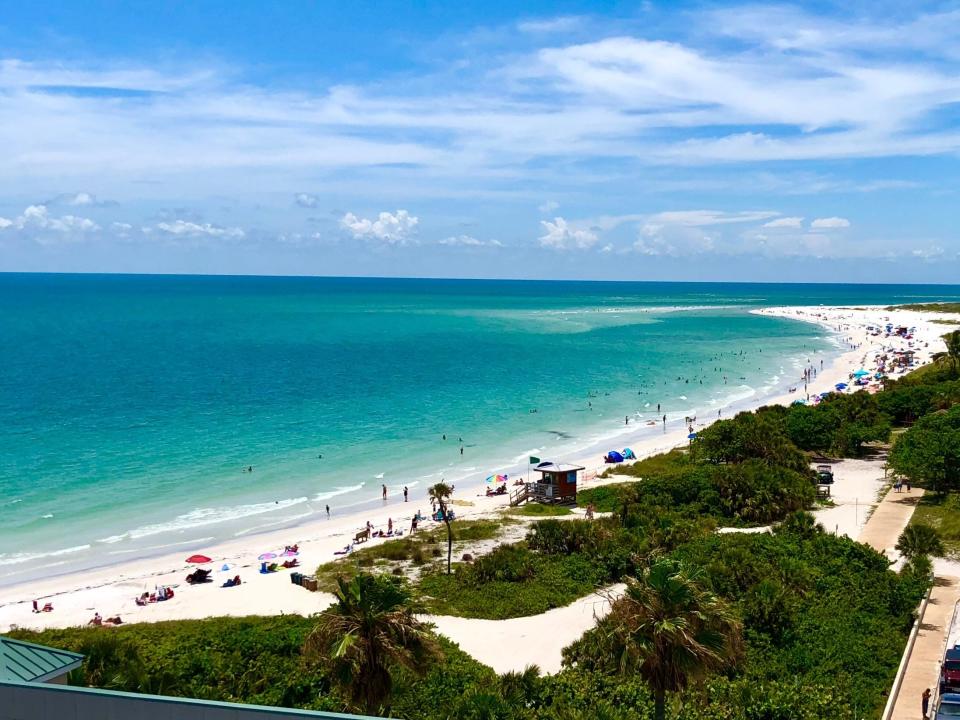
pixel 27 662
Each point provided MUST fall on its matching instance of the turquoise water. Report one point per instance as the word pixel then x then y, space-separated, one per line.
pixel 130 405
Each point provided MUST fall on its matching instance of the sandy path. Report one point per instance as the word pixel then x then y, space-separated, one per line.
pixel 512 645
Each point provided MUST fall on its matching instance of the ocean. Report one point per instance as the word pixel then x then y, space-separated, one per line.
pixel 132 407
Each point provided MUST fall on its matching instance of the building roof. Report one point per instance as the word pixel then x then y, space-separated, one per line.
pixel 556 467
pixel 26 662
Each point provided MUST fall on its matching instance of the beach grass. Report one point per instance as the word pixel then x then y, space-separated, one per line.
pixel 942 513
pixel 552 582
pixel 540 510
pixel 943 307
pixel 417 550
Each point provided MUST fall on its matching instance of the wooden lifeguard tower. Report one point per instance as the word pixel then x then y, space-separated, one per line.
pixel 558 484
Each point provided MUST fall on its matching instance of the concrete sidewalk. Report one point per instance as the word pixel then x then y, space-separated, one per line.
pixel 889 519
pixel 923 669
pixel 881 532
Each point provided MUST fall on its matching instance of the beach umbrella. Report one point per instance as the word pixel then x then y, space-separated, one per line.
pixel 691 436
pixel 496 479
pixel 860 373
pixel 799 401
pixel 267 556
pixel 225 567
pixel 841 386
pixel 198 559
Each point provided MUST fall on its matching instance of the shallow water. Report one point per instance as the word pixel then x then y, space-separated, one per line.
pixel 130 406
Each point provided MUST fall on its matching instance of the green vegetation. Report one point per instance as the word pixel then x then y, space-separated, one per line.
pixel 929 452
pixel 440 493
pixel 365 637
pixel 941 512
pixel 509 582
pixel 417 550
pixel 944 307
pixel 798 624
pixel 667 629
pixel 532 509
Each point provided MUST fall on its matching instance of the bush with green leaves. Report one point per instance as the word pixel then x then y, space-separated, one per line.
pixel 929 452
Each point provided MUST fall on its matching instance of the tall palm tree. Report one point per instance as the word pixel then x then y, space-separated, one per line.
pixel 953 349
pixel 919 539
pixel 671 631
pixel 441 492
pixel 367 632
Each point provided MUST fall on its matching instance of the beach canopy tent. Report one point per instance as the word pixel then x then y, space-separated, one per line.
pixel 628 454
pixel 613 457
pixel 198 559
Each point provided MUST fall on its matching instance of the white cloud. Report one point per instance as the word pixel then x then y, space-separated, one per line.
pixel 785 222
pixel 563 23
pixel 4 223
pixel 674 239
pixel 79 199
pixel 548 207
pixel 37 217
pixel 185 228
pixel 559 235
pixel 829 222
pixel 469 241
pixel 930 253
pixel 306 200
pixel 392 228
pixel 700 218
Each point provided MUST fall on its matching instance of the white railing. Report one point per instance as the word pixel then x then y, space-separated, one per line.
pixel 905 660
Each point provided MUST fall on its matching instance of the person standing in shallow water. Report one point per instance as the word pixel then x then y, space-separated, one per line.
pixel 384 491
pixel 405 493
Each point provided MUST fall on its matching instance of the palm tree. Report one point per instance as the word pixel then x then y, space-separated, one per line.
pixel 919 539
pixel 671 631
pixel 800 523
pixel 367 631
pixel 441 493
pixel 953 349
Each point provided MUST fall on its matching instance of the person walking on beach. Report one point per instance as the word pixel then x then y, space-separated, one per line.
pixel 925 702
pixel 384 493
pixel 405 492
pixel 328 512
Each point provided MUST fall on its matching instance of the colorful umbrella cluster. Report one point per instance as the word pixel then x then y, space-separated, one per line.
pixel 496 479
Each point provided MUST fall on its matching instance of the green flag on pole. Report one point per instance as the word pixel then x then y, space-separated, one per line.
pixel 534 460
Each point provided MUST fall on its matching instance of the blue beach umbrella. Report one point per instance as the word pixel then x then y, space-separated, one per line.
pixel 841 386
pixel 861 373
pixel 692 436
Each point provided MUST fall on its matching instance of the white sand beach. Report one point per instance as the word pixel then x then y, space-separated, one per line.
pixel 111 590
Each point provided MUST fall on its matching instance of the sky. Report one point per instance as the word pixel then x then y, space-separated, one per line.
pixel 581 140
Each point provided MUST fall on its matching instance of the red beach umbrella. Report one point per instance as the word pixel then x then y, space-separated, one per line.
pixel 198 559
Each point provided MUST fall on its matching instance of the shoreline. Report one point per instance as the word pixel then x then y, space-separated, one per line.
pixel 111 589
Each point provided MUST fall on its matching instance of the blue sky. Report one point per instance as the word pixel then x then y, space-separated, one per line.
pixel 651 140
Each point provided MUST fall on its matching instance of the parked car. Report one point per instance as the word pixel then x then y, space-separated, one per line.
pixel 950 670
pixel 824 475
pixel 949 707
